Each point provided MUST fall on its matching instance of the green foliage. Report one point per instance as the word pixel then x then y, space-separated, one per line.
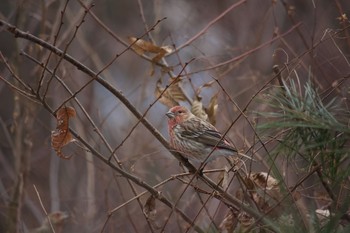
pixel 306 127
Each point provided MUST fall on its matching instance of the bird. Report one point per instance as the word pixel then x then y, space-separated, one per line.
pixel 57 219
pixel 196 138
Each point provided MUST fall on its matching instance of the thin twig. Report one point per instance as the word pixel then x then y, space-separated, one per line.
pixel 174 81
pixel 111 33
pixel 18 33
pixel 43 207
pixel 65 51
pixel 54 44
pixel 97 130
pixel 249 52
pixel 212 22
pixel 106 66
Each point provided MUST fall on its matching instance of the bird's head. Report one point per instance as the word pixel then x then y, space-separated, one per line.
pixel 57 217
pixel 178 114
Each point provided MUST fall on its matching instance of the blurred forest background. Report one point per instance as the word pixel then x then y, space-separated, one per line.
pixel 272 75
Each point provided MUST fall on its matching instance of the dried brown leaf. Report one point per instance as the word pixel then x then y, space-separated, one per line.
pixel 264 180
pixel 171 96
pixel 167 69
pixel 141 46
pixel 156 59
pixel 164 97
pixel 249 183
pixel 245 220
pixel 149 209
pixel 264 190
pixel 167 48
pixel 144 46
pixel 152 70
pixel 205 85
pixel 176 93
pixel 255 191
pixel 136 47
pixel 267 184
pixel 260 199
pixel 228 224
pixel 198 110
pixel 159 56
pixel 61 136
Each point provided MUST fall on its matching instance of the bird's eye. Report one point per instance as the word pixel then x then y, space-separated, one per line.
pixel 180 111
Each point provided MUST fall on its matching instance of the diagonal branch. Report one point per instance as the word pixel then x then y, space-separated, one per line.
pixel 201 32
pixel 21 34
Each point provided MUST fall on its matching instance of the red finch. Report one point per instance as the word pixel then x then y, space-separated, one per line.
pixel 57 220
pixel 194 137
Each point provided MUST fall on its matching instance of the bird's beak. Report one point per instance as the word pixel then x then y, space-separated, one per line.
pixel 170 114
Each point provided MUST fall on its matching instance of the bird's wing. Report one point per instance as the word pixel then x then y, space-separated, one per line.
pixel 206 134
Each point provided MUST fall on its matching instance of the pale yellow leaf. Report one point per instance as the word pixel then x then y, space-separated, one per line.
pixel 212 109
pixel 198 110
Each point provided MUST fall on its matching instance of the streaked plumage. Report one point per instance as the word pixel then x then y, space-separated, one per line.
pixel 194 137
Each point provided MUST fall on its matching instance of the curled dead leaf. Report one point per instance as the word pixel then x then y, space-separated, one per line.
pixel 261 200
pixel 264 180
pixel 266 185
pixel 61 135
pixel 205 85
pixel 170 96
pixel 265 191
pixel 198 110
pixel 229 223
pixel 141 46
pixel 245 221
pixel 159 56
pixel 212 109
pixel 164 97
pixel 167 69
pixel 149 209
pixel 249 183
